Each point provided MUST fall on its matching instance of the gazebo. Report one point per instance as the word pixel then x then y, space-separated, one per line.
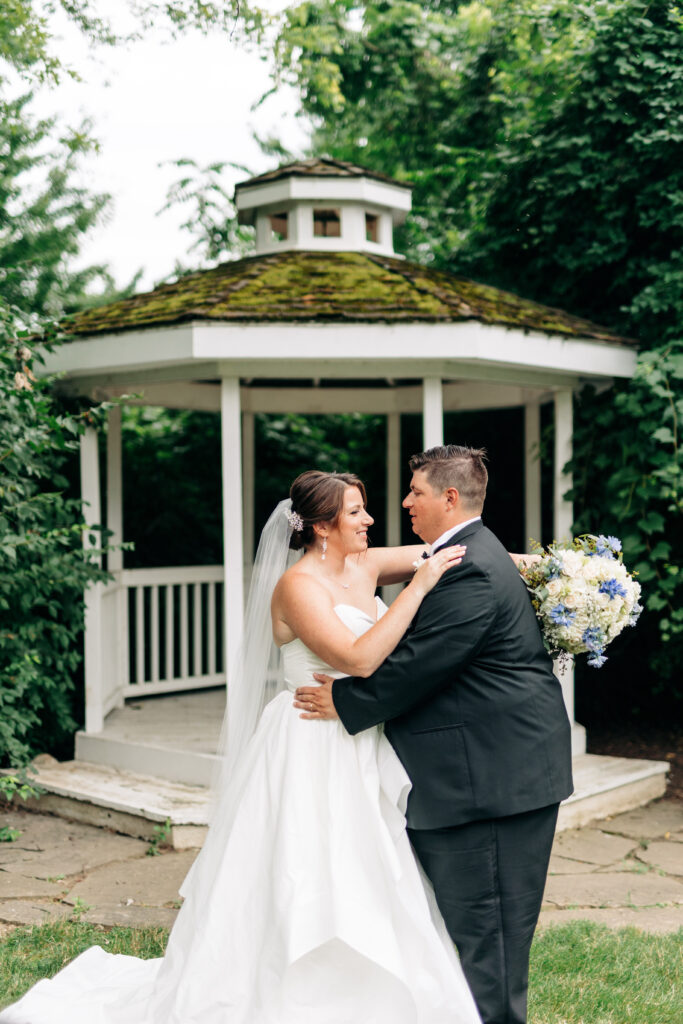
pixel 324 317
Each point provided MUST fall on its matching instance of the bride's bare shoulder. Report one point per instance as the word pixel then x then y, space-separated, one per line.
pixel 298 584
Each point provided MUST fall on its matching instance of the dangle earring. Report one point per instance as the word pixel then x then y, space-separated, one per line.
pixel 324 548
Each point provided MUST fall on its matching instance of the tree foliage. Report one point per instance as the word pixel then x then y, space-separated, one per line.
pixel 210 213
pixel 543 138
pixel 44 215
pixel 44 565
pixel 27 43
pixel 588 209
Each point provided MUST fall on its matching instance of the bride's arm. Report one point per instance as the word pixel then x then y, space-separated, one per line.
pixel 394 565
pixel 307 607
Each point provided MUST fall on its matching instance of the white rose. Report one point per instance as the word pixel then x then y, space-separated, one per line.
pixel 572 562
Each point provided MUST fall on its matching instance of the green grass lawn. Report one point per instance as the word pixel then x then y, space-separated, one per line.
pixel 580 973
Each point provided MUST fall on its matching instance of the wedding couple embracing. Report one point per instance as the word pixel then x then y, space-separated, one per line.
pixel 388 798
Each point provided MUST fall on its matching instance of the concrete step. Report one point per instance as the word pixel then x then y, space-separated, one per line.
pixel 173 737
pixel 133 804
pixel 126 802
pixel 162 761
pixel 604 786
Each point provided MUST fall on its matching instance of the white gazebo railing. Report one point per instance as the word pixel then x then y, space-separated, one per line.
pixel 170 618
pixel 162 632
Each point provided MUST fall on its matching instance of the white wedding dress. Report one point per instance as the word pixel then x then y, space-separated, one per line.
pixel 317 913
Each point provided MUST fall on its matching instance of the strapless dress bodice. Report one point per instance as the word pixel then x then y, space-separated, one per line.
pixel 299 662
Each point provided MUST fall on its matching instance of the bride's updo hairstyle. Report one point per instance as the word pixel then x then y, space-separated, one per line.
pixel 319 498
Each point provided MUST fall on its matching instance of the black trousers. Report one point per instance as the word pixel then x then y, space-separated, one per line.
pixel 488 878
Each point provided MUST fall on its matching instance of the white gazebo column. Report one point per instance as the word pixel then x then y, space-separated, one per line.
pixel 248 471
pixel 563 516
pixel 393 499
pixel 432 412
pixel 233 557
pixel 115 612
pixel 532 473
pixel 90 494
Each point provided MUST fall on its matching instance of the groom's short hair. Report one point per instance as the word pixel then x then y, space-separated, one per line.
pixel 454 465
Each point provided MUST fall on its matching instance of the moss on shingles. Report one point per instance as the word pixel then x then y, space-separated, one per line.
pixel 341 286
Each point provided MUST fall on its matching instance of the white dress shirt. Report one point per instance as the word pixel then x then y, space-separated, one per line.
pixel 450 533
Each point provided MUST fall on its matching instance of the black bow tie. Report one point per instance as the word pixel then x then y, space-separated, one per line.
pixel 425 554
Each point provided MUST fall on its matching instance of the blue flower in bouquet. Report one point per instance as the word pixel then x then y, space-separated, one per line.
pixel 593 639
pixel 608 547
pixel 596 660
pixel 613 588
pixel 561 615
pixel 635 614
pixel 553 568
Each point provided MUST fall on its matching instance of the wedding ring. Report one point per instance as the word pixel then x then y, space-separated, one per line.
pixel 310 707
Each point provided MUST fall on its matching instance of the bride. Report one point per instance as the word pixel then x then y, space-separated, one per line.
pixel 305 905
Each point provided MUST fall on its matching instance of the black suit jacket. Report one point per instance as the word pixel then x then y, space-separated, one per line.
pixel 469 697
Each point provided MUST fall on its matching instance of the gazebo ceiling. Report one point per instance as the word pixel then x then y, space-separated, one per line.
pixel 342 287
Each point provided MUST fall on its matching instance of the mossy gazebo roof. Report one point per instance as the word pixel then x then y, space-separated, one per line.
pixel 349 287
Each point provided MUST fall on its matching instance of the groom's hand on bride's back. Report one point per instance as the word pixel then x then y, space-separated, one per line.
pixel 316 701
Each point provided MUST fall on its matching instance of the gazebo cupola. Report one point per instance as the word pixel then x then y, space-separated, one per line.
pixel 324 205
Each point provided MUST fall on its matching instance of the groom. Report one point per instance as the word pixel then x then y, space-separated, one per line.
pixel 476 715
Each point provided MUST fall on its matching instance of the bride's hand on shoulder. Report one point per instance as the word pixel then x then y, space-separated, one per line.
pixel 428 574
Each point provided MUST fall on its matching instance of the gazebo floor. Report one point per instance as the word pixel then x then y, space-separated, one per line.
pixel 153 759
pixel 172 737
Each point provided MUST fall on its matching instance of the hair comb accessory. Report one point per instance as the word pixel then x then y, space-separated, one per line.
pixel 294 519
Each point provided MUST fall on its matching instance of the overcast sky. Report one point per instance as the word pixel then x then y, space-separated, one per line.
pixel 157 101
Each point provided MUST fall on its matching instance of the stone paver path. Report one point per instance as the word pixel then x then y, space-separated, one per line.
pixel 627 870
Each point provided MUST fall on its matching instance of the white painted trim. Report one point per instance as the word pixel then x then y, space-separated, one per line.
pixel 174 575
pixel 393 496
pixel 90 494
pixel 206 397
pixel 172 395
pixel 114 487
pixel 301 235
pixel 248 483
pixel 563 516
pixel 353 350
pixel 532 473
pixel 563 510
pixel 173 685
pixel 233 552
pixel 151 347
pixel 114 613
pixel 287 190
pixel 432 413
pixel 413 345
pixel 393 510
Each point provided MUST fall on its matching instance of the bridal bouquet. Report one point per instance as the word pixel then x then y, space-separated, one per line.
pixel 583 595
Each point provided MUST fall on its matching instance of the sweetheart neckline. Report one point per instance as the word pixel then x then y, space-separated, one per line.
pixel 342 604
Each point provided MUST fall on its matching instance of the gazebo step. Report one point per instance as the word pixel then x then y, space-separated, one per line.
pixel 172 737
pixel 135 805
pixel 604 786
pixel 191 767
